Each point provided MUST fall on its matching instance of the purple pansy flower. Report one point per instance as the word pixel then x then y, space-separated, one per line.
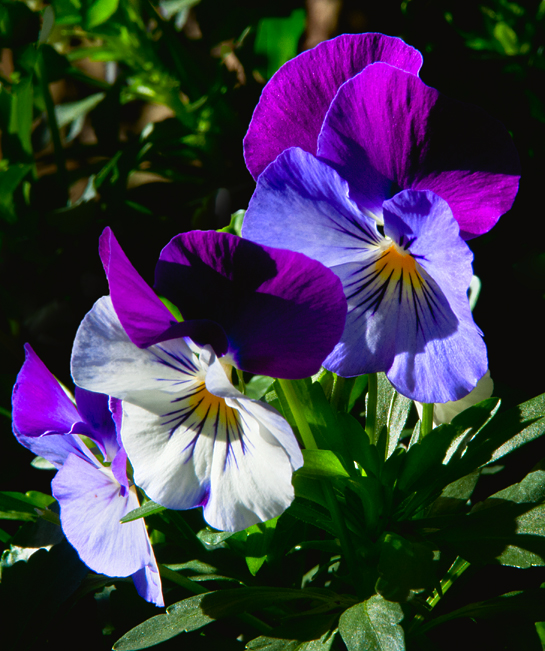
pixel 192 438
pixel 93 497
pixel 384 195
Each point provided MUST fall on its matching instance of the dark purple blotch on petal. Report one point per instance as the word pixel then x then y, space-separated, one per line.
pixel 281 311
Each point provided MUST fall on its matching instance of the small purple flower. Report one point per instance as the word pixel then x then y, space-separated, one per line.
pixel 192 438
pixel 384 193
pixel 91 485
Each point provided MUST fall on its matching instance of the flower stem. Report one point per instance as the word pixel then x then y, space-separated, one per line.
pixel 371 412
pixel 300 420
pixel 427 420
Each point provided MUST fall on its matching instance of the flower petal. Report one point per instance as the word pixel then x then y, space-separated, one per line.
pixel 231 455
pixel 387 130
pixel 144 316
pixel 148 583
pixel 302 204
pixel 40 404
pixel 94 409
pixel 91 509
pixel 294 102
pixel 408 310
pixel 105 360
pixel 282 312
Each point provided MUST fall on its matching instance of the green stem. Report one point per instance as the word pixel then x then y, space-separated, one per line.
pixel 196 588
pixel 427 420
pixel 336 392
pixel 58 150
pixel 300 420
pixel 371 413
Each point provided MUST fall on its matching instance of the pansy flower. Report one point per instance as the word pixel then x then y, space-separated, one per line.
pixel 192 438
pixel 384 194
pixel 91 485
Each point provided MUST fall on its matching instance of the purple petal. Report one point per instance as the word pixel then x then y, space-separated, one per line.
pixel 302 204
pixel 282 312
pixel 93 408
pixel 91 509
pixel 147 582
pixel 386 130
pixel 408 309
pixel 54 447
pixel 40 404
pixel 142 313
pixel 293 104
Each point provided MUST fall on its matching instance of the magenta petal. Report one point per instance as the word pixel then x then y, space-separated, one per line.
pixel 294 102
pixel 40 405
pixel 386 130
pixel 281 311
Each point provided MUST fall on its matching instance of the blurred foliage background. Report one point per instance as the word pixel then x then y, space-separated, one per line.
pixel 131 113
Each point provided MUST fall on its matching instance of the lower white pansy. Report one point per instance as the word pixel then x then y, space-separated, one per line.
pixel 192 438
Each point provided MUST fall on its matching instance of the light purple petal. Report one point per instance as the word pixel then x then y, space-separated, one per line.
pixel 147 582
pixel 91 509
pixel 302 204
pixel 40 404
pixel 408 309
pixel 293 104
pixel 281 311
pixel 386 130
pixel 54 447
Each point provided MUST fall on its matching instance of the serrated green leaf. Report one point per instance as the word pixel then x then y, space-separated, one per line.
pixel 373 625
pixel 149 508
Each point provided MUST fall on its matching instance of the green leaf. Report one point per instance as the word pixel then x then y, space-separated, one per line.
pixel 277 39
pixel 310 489
pixel 405 567
pixel 198 611
pixel 9 181
pixel 400 407
pixel 99 11
pixel 322 463
pixel 75 112
pixel 507 37
pixel 503 434
pixel 373 625
pixel 258 386
pixel 266 643
pixel 508 527
pixel 20 506
pixel 235 227
pixel 527 605
pixel 311 514
pixel 147 509
pixel 258 542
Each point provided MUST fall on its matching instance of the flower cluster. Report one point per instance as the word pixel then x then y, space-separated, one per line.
pixel 353 257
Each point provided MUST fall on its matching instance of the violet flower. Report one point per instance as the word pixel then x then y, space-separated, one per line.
pixel 192 438
pixel 91 485
pixel 383 192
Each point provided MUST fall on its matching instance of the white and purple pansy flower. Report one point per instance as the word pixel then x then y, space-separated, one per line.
pixel 192 438
pixel 384 193
pixel 91 485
